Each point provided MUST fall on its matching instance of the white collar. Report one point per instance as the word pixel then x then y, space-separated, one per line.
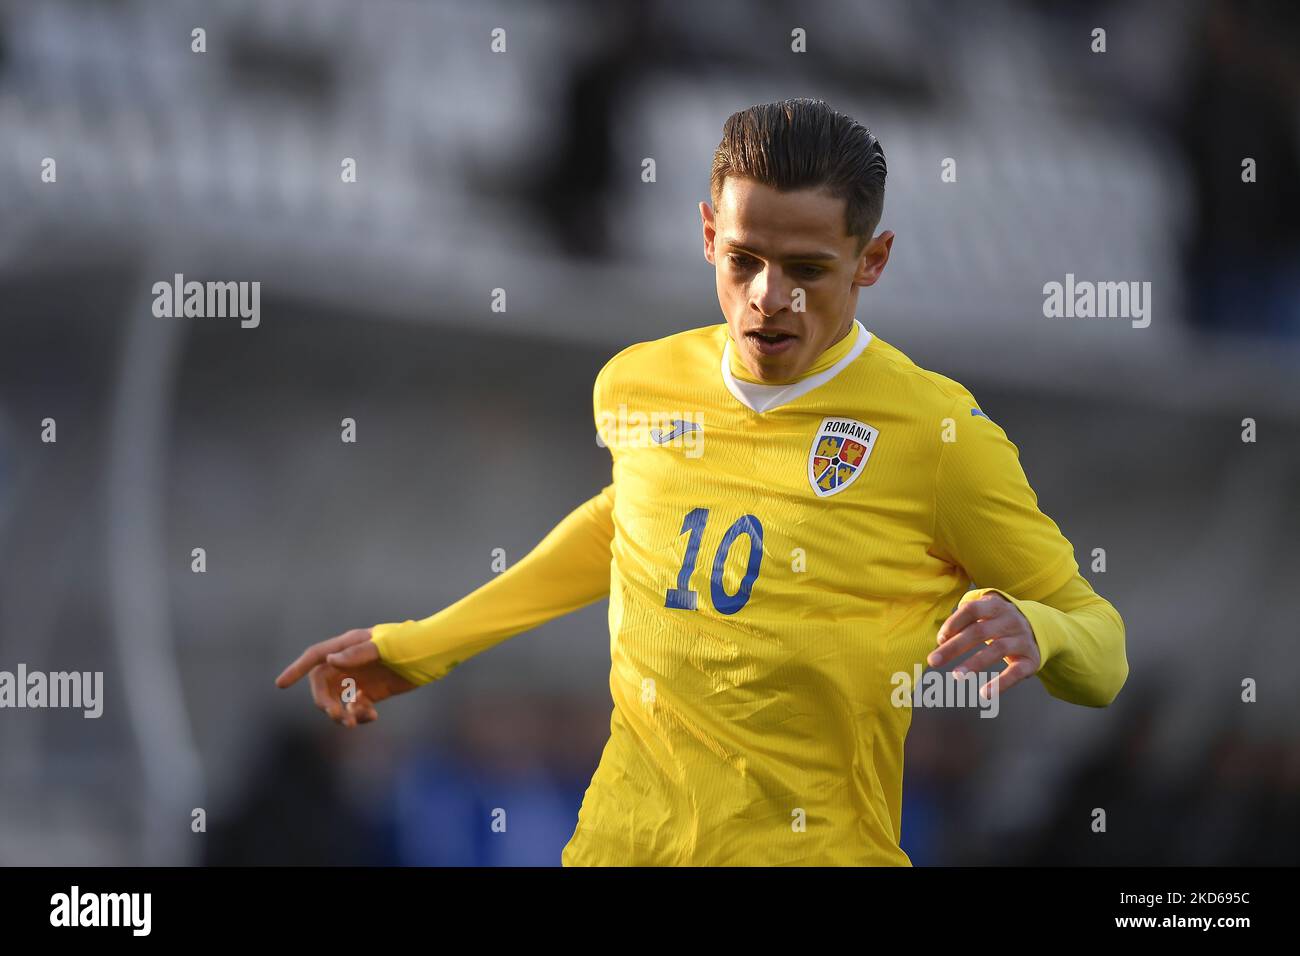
pixel 763 398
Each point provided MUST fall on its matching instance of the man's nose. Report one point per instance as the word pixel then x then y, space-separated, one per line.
pixel 768 294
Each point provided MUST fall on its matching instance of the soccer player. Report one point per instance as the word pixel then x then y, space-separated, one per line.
pixel 795 508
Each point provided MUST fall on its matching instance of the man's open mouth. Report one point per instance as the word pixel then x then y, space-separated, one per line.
pixel 771 342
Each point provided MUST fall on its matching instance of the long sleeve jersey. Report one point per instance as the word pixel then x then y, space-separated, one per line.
pixel 774 556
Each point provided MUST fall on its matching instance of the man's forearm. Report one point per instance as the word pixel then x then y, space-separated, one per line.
pixel 1081 638
pixel 568 569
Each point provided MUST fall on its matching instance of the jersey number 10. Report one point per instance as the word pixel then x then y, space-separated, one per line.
pixel 682 597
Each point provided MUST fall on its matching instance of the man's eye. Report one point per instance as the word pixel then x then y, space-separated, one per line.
pixel 810 272
pixel 742 262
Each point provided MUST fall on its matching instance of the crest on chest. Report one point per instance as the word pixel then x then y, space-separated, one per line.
pixel 839 453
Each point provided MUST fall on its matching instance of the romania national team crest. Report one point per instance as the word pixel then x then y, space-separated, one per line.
pixel 839 452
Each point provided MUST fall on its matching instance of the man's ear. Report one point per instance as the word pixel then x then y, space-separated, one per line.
pixel 872 260
pixel 706 221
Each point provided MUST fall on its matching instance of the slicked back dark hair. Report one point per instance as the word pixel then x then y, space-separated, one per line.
pixel 804 144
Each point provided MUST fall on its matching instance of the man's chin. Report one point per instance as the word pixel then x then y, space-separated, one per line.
pixel 775 369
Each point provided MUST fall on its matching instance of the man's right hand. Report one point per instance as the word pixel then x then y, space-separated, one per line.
pixel 350 655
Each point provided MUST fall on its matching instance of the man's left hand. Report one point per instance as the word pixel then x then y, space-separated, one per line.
pixel 996 622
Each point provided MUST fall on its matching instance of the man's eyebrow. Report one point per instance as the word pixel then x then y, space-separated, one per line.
pixel 793 257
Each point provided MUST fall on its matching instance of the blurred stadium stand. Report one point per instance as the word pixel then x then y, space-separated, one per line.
pixel 522 171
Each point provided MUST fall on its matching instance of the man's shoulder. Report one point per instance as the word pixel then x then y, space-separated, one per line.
pixel 911 383
pixel 667 355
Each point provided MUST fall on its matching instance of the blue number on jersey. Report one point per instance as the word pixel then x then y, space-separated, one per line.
pixel 683 598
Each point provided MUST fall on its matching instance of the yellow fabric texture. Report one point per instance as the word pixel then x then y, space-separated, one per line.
pixel 568 569
pixel 755 625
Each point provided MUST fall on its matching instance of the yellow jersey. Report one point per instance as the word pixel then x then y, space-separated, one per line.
pixel 774 555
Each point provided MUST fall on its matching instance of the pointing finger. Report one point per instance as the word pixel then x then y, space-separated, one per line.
pixel 317 653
